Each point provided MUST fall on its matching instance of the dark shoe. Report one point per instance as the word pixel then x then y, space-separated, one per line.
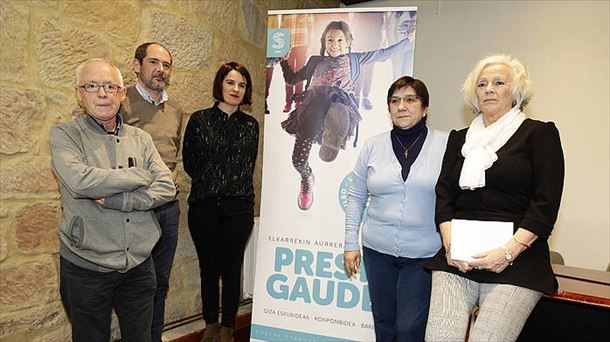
pixel 226 334
pixel 366 103
pixel 266 108
pixel 305 199
pixel 336 125
pixel 211 333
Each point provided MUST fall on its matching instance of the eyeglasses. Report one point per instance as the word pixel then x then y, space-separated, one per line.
pixel 410 100
pixel 94 87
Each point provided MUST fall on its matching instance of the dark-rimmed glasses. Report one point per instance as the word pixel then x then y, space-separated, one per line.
pixel 95 87
pixel 410 100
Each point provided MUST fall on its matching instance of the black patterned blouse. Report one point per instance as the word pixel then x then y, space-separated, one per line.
pixel 219 154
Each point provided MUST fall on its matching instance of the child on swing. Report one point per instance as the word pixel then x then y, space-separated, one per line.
pixel 328 113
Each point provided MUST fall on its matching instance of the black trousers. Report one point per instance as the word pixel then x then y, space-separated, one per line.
pixel 90 296
pixel 168 216
pixel 220 228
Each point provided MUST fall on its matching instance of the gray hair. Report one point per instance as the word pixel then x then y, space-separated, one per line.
pixel 521 89
pixel 79 70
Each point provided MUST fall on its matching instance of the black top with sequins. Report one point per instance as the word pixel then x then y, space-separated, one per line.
pixel 219 153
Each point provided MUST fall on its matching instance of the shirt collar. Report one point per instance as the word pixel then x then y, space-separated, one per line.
pixel 224 115
pixel 146 96
pixel 117 128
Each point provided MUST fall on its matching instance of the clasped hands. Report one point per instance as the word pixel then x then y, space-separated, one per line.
pixel 493 260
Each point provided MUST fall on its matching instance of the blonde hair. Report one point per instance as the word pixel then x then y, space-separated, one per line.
pixel 521 88
pixel 79 70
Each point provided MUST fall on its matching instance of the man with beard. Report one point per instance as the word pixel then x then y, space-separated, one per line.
pixel 149 107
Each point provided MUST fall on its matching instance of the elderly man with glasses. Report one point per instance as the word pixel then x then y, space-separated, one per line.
pixel 110 178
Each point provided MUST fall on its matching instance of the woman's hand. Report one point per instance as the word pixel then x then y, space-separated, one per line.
pixel 493 260
pixel 463 266
pixel 351 260
pixel 445 229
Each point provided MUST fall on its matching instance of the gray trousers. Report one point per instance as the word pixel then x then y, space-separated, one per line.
pixel 503 309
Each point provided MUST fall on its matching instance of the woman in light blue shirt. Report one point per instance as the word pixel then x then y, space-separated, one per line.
pixel 396 173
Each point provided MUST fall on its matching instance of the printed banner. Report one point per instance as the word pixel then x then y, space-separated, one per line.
pixel 324 98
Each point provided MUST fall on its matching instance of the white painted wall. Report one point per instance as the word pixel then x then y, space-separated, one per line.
pixel 566 46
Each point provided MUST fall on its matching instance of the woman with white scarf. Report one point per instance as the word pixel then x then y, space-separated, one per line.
pixel 508 168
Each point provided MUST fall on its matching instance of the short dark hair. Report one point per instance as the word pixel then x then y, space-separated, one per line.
pixel 141 51
pixel 223 71
pixel 336 25
pixel 417 85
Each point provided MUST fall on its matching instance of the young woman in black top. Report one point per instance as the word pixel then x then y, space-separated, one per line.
pixel 219 153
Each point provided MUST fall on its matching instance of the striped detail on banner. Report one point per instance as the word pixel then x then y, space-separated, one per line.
pixel 267 333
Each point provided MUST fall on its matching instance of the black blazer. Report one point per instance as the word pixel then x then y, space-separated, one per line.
pixel 523 186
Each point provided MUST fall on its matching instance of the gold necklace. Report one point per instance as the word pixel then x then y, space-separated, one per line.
pixel 406 153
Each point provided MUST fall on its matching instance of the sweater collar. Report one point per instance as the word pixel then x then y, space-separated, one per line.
pixel 410 132
pixel 146 96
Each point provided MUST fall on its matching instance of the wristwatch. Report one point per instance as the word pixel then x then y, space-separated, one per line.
pixel 507 255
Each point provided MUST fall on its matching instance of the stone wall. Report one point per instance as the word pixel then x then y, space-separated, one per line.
pixel 41 43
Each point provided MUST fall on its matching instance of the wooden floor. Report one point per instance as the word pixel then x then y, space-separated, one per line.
pixel 240 334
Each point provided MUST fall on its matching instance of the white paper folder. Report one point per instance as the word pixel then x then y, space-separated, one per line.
pixel 469 237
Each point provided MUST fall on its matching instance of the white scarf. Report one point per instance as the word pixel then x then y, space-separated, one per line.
pixel 479 149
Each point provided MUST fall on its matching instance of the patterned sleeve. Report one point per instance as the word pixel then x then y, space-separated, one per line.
pixel 292 77
pixel 192 147
pixel 254 145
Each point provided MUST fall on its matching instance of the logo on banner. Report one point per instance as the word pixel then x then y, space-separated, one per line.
pixel 278 42
pixel 342 195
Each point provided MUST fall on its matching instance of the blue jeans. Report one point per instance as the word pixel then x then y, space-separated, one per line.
pixel 163 255
pixel 90 296
pixel 400 295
